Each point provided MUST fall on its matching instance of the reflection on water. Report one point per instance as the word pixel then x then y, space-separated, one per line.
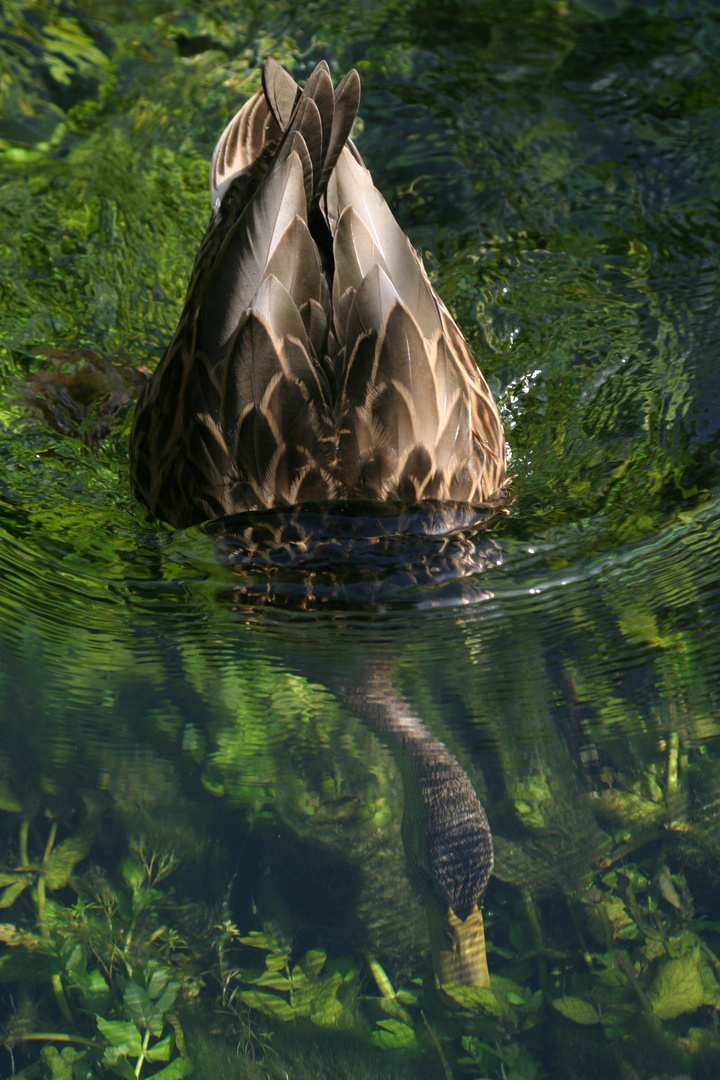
pixel 176 756
pixel 188 720
pixel 356 554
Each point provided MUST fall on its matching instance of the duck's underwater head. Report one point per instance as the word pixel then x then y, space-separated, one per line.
pixel 449 847
pixel 458 947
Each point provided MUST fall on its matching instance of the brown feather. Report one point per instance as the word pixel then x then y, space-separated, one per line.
pixel 313 359
pixel 281 92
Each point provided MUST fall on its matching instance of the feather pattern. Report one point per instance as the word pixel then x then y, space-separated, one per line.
pixel 313 359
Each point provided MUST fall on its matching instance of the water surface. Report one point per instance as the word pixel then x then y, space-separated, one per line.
pixel 183 746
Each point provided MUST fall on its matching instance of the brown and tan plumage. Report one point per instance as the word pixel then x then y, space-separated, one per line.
pixel 313 359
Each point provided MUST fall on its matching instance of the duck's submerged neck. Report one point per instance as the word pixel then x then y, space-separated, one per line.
pixel 445 830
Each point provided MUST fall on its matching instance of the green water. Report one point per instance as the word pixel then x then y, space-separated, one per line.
pixel 175 772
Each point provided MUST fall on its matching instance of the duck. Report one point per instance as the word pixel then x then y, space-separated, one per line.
pixel 313 361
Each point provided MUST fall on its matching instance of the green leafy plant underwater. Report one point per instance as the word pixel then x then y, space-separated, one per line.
pixel 637 967
pixel 86 951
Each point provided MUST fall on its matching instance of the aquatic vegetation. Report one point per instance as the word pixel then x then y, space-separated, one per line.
pixel 557 165
pixel 114 972
pixel 147 1007
pixel 638 943
pixel 285 990
pixel 634 961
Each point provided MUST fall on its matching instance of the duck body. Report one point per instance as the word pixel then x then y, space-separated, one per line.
pixel 313 360
pixel 315 363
